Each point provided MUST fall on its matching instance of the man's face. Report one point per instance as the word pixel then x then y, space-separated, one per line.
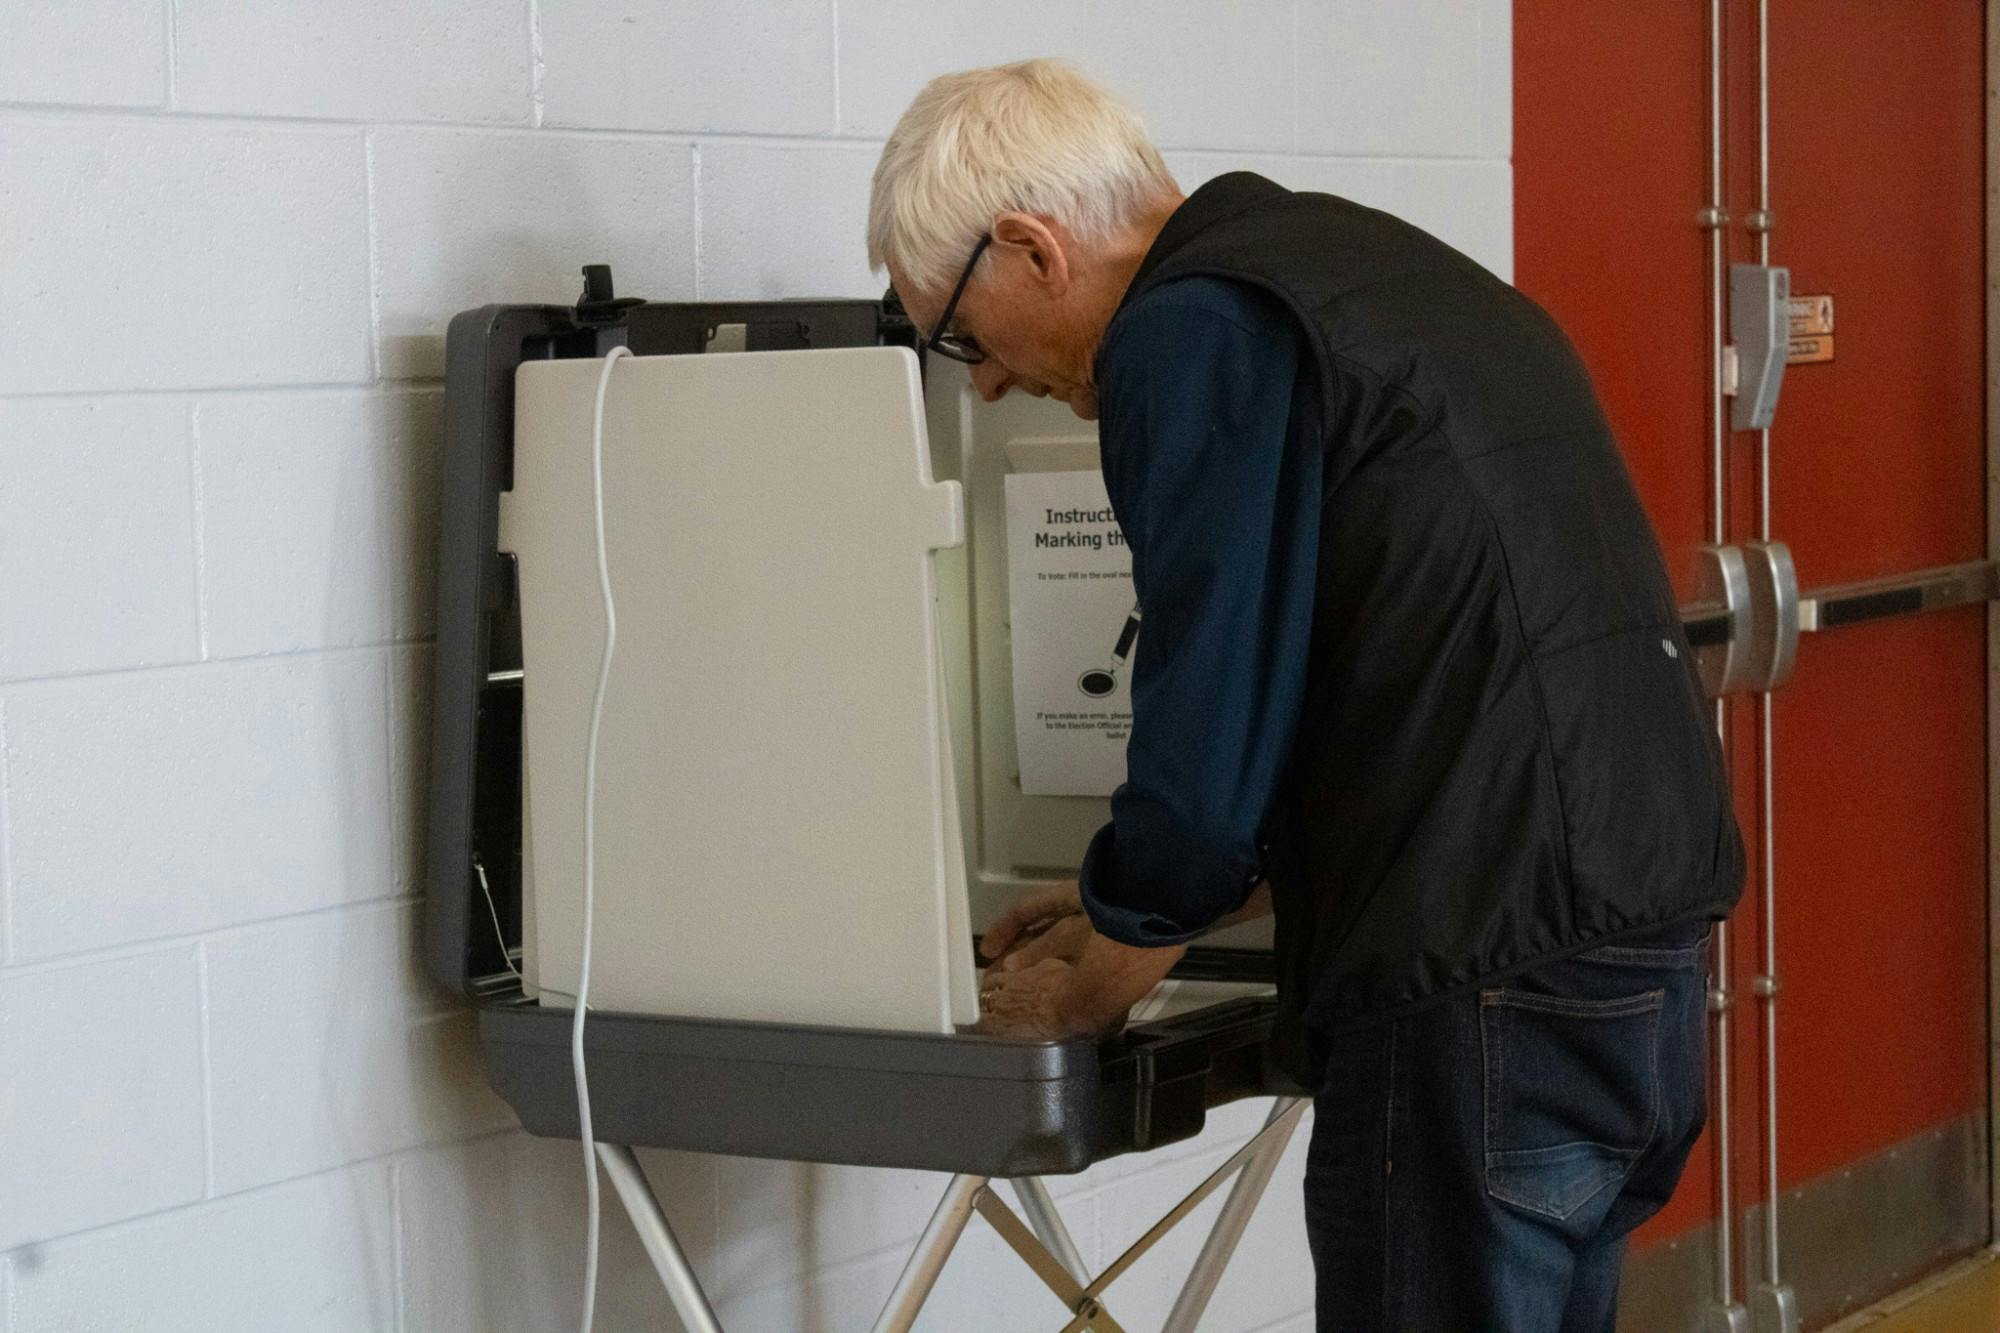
pixel 1014 307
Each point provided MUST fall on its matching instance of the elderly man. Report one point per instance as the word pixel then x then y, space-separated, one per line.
pixel 1411 675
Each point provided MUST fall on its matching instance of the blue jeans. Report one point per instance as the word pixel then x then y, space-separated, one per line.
pixel 1475 1167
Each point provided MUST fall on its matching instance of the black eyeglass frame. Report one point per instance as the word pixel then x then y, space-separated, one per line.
pixel 952 345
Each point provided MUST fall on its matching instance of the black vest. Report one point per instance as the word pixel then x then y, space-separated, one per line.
pixel 1504 754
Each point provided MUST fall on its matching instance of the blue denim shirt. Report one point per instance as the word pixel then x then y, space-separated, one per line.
pixel 1209 423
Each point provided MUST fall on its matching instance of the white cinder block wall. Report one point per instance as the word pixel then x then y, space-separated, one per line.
pixel 231 235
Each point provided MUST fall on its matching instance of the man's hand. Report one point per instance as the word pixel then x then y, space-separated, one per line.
pixel 1081 985
pixel 1051 975
pixel 1051 924
pixel 1032 919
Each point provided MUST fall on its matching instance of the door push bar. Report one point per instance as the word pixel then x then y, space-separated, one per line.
pixel 1900 595
pixel 1748 613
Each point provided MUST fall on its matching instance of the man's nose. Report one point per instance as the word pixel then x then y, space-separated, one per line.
pixel 992 379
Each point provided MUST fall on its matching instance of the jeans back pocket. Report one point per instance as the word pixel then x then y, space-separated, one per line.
pixel 1571 1095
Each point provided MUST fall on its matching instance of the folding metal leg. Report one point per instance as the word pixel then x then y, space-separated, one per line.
pixel 1255 1162
pixel 947 1224
pixel 1048 1226
pixel 1243 1198
pixel 1042 1242
pixel 657 1235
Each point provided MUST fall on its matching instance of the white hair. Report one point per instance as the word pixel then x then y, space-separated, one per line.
pixel 1033 137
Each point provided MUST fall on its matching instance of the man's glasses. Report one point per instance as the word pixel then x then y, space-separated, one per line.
pixel 959 346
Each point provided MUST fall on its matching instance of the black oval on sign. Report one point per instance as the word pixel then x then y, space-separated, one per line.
pixel 1097 684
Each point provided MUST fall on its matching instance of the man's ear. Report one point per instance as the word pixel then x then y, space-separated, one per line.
pixel 1040 248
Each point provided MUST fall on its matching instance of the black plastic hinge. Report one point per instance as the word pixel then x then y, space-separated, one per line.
pixel 598 305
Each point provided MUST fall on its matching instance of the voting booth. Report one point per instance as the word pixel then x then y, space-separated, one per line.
pixel 870 683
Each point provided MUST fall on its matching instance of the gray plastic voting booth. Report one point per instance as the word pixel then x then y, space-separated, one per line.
pixel 807 793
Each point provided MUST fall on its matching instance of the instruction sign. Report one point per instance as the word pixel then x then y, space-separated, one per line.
pixel 1073 622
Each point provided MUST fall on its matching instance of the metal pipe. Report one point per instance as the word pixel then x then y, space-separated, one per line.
pixel 1719 1000
pixel 947 1224
pixel 1048 1225
pixel 1766 985
pixel 1715 217
pixel 1776 1309
pixel 1764 131
pixel 657 1235
pixel 1237 1209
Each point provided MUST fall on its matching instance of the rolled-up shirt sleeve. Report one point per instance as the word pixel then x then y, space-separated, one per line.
pixel 1212 461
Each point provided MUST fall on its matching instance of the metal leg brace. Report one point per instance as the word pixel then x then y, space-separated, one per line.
pixel 1243 1199
pixel 1042 1241
pixel 1048 1225
pixel 1049 1252
pixel 650 1221
pixel 947 1224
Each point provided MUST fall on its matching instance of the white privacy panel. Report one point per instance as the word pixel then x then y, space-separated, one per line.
pixel 776 816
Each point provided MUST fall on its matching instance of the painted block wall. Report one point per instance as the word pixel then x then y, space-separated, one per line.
pixel 231 236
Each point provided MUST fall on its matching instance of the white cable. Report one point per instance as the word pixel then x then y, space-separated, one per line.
pixel 506 959
pixel 590 850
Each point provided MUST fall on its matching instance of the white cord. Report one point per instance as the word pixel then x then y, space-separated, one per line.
pixel 590 850
pixel 493 912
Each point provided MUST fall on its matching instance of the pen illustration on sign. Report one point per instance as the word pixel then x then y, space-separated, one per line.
pixel 1100 681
